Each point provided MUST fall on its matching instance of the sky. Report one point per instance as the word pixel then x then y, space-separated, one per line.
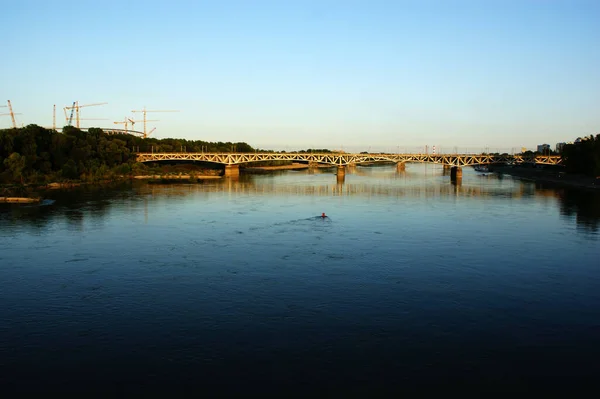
pixel 352 75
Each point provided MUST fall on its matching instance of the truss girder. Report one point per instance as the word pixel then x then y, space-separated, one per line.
pixel 346 159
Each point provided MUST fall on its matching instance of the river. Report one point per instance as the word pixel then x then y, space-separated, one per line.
pixel 237 285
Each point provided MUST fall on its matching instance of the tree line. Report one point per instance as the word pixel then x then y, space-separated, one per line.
pixel 33 154
pixel 583 156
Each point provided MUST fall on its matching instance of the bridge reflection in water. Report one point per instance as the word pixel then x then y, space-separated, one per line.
pixel 248 184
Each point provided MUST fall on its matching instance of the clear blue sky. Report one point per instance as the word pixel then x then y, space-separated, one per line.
pixel 296 74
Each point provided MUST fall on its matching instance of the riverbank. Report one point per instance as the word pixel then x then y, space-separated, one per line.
pixel 546 176
pixel 31 193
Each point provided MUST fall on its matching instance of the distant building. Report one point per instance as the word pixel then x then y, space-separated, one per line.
pixel 543 148
pixel 559 146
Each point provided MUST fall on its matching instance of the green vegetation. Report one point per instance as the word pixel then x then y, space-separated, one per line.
pixel 583 156
pixel 37 155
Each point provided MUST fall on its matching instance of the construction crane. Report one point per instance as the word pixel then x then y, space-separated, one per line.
pixel 127 121
pixel 12 114
pixel 147 120
pixel 151 131
pixel 13 118
pixel 69 119
pixel 75 107
pixel 144 111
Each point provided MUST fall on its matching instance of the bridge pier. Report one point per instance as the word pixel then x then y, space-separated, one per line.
pixel 232 170
pixel 341 173
pixel 456 174
pixel 400 166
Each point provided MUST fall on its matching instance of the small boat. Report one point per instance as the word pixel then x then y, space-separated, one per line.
pixel 481 168
pixel 19 200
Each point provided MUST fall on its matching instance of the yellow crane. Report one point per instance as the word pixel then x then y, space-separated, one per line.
pixel 77 107
pixel 144 111
pixel 11 113
pixel 125 123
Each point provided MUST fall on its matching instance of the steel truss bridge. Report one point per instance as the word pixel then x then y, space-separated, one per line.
pixel 340 159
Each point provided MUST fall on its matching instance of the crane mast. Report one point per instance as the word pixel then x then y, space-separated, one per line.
pixel 12 114
pixel 70 122
pixel 76 107
pixel 144 111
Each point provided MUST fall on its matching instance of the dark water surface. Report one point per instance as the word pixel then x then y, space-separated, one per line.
pixel 238 286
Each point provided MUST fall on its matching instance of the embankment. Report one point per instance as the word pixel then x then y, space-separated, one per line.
pixel 550 176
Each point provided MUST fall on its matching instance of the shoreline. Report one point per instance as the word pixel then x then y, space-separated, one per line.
pixel 549 177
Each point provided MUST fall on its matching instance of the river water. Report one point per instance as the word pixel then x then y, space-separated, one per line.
pixel 239 286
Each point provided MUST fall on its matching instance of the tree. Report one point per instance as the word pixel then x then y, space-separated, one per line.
pixel 69 170
pixel 15 163
pixel 583 156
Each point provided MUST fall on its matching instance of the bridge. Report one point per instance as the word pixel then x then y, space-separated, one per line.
pixel 455 162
